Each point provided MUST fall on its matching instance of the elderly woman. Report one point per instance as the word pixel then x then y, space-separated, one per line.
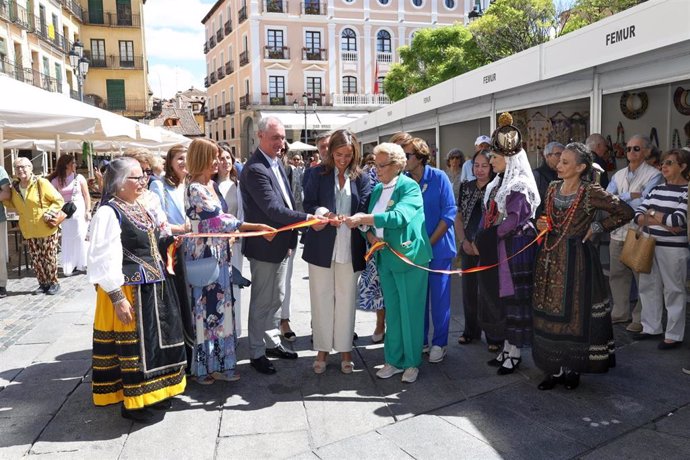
pixel 439 217
pixel 336 189
pixel 138 345
pixel 664 214
pixel 572 316
pixel 469 215
pixel 506 231
pixel 36 201
pixel 454 162
pixel 396 217
pixel 73 188
pixel 208 262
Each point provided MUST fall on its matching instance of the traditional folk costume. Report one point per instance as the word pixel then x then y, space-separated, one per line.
pixel 140 363
pixel 572 314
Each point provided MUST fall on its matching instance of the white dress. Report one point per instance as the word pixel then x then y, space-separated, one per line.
pixel 73 244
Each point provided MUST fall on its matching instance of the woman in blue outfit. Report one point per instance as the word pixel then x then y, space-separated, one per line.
pixel 336 189
pixel 170 189
pixel 439 217
pixel 208 263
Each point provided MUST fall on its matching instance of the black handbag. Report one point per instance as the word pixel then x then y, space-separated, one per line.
pixel 70 208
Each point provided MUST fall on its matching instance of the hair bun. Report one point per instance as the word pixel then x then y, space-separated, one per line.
pixel 505 119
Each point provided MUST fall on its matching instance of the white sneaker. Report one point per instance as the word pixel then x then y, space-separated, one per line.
pixel 436 354
pixel 387 371
pixel 410 375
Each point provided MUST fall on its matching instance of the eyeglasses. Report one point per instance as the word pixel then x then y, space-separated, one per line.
pixel 554 154
pixel 378 166
pixel 410 155
pixel 634 148
pixel 141 179
pixel 669 162
pixel 22 167
pixel 148 172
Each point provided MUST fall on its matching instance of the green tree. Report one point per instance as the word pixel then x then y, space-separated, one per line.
pixel 510 26
pixel 435 55
pixel 586 12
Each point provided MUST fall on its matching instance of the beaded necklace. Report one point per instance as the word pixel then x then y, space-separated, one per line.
pixel 136 213
pixel 564 217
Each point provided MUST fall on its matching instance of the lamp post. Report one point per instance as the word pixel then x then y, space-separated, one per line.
pixel 305 104
pixel 80 65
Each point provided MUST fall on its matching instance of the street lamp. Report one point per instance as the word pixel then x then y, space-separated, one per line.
pixel 305 104
pixel 80 65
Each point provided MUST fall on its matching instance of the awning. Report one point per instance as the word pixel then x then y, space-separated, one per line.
pixel 321 120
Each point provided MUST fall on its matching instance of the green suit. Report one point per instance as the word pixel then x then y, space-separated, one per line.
pixel 404 287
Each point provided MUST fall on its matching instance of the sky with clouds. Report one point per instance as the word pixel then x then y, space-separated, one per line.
pixel 174 44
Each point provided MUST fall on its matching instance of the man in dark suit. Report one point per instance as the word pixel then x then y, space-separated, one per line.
pixel 268 199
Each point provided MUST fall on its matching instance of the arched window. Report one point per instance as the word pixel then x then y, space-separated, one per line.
pixel 450 4
pixel 349 85
pixel 383 41
pixel 417 3
pixel 348 40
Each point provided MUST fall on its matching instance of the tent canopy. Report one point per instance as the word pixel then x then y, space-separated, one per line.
pixel 301 146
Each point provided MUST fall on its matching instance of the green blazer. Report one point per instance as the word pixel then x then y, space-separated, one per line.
pixel 403 225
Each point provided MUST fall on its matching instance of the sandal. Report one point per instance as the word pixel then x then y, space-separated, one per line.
pixel 465 340
pixel 514 362
pixel 498 360
pixel 319 367
pixel 205 380
pixel 225 378
pixel 346 367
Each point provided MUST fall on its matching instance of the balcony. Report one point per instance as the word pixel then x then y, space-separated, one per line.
pixel 229 108
pixel 349 56
pixel 121 18
pixel 125 105
pixel 114 61
pixel 313 98
pixel 212 114
pixel 30 76
pixel 229 68
pixel 314 54
pixel 244 102
pixel 212 42
pixel 15 14
pixel 242 15
pixel 207 83
pixel 212 78
pixel 275 6
pixel 220 72
pixel 360 99
pixel 74 7
pixel 276 52
pixel 228 28
pixel 206 48
pixel 244 58
pixel 74 94
pixel 313 8
pixel 220 111
pixel 277 100
pixel 55 39
pixel 384 58
pixel 219 35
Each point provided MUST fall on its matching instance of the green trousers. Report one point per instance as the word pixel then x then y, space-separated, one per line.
pixel 404 294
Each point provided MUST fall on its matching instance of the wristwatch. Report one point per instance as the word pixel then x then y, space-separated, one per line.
pixel 652 213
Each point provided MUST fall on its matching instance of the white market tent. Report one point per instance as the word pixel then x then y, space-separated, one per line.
pixel 301 146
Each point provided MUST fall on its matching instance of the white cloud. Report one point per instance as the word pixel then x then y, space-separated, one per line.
pixel 167 43
pixel 166 80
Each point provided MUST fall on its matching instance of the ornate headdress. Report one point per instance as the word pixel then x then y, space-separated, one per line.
pixel 506 139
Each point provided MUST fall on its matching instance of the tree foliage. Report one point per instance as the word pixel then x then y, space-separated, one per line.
pixel 510 26
pixel 586 12
pixel 435 55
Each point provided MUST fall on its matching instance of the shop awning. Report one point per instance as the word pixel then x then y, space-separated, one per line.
pixel 319 120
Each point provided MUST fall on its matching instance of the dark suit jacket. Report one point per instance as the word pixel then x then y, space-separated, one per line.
pixel 319 191
pixel 264 204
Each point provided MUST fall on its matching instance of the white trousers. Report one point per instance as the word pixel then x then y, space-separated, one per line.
pixel 665 285
pixel 333 292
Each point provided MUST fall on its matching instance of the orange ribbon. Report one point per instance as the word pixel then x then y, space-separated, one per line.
pixel 173 248
pixel 381 244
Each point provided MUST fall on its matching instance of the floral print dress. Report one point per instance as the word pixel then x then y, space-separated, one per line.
pixel 213 309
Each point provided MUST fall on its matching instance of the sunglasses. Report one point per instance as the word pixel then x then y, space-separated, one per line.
pixel 148 172
pixel 634 148
pixel 669 162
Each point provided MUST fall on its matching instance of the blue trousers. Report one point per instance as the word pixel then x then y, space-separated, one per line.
pixel 438 303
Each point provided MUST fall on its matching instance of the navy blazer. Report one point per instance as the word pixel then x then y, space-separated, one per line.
pixel 319 191
pixel 264 204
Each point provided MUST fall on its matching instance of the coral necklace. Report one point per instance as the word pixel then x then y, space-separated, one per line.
pixel 564 218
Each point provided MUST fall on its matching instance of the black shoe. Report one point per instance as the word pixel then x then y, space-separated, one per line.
pixel 263 365
pixel 166 404
pixel 280 352
pixel 139 415
pixel 572 380
pixel 498 360
pixel 551 381
pixel 41 289
pixel 53 289
pixel 354 336
pixel 3 292
pixel 668 346
pixel 503 370
pixel 645 336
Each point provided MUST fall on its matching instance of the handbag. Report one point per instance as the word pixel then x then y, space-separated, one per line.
pixel 70 208
pixel 239 280
pixel 638 251
pixel 202 272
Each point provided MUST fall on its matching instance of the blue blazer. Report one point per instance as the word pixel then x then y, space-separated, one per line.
pixel 319 191
pixel 264 204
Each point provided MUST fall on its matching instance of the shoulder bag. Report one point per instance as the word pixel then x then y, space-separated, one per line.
pixel 70 208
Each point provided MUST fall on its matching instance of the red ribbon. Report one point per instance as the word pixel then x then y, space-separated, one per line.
pixel 381 244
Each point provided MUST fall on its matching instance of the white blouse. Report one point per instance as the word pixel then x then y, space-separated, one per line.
pixel 105 250
pixel 383 200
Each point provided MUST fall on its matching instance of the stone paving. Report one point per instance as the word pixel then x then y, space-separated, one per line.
pixel 459 408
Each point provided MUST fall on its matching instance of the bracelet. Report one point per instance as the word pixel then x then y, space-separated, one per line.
pixel 116 296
